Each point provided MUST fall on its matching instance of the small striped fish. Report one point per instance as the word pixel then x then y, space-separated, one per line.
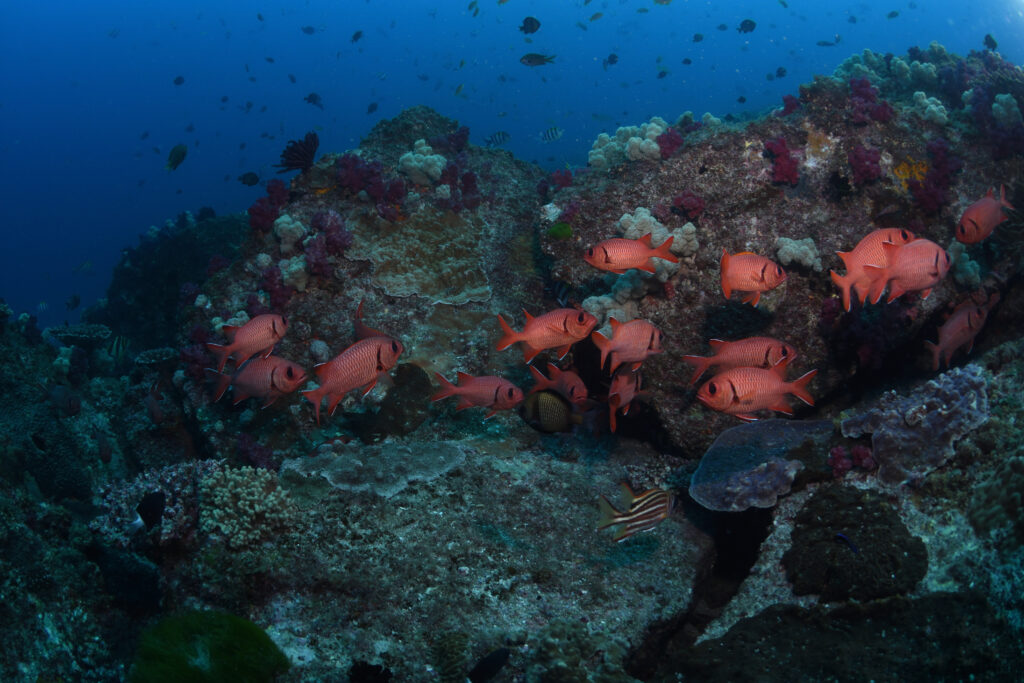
pixel 645 511
pixel 552 134
pixel 497 139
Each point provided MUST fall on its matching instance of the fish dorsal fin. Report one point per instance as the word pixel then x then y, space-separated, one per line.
pixel 462 377
pixel 780 368
pixel 991 194
pixel 528 316
pixel 615 325
pixel 843 255
pixel 627 493
pixel 645 240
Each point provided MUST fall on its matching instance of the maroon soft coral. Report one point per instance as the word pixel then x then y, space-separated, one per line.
pixel 864 162
pixel 784 164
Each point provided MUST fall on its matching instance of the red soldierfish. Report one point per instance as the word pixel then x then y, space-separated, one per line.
pixel 744 391
pixel 914 267
pixel 488 391
pixel 982 217
pixel 959 331
pixel 867 252
pixel 558 329
pixel 619 254
pixel 752 352
pixel 751 273
pixel 644 511
pixel 624 388
pixel 266 378
pixel 258 336
pixel 565 383
pixel 631 343
pixel 358 366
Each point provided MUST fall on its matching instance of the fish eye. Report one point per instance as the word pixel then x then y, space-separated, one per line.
pixel 289 373
pixel 590 252
pixel 778 270
pixel 510 393
pixel 580 318
pixel 785 352
pixel 904 236
pixel 284 320
pixel 394 346
pixel 572 392
pixel 712 389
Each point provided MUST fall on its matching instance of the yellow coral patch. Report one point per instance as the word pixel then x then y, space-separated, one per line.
pixel 910 169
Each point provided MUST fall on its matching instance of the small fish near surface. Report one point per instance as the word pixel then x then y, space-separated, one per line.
pixel 750 273
pixel 314 99
pixel 741 392
pixel 530 25
pixel 619 254
pixel 959 331
pixel 867 252
pixel 643 512
pixel 746 26
pixel 176 157
pixel 265 378
pixel 751 352
pixel 534 59
pixel 610 60
pixel 913 267
pixel 558 329
pixel 359 366
pixel 982 217
pixel 258 336
pixel 488 391
pixel 631 343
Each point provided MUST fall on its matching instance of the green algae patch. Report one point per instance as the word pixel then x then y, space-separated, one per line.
pixel 560 231
pixel 206 647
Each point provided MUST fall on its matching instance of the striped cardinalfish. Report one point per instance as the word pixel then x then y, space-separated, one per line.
pixel 643 513
pixel 497 139
pixel 552 134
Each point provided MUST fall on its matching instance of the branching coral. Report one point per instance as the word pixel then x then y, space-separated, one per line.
pixel 243 506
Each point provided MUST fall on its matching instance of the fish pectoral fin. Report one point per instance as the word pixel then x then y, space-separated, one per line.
pixel 563 350
pixel 369 387
pixel 752 298
pixel 746 417
pixel 781 406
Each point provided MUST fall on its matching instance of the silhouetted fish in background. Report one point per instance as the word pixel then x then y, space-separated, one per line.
pixel 372 107
pixel 356 36
pixel 990 42
pixel 610 60
pixel 249 179
pixel 308 30
pixel 530 25
pixel 315 99
pixel 178 80
pixel 177 155
pixel 746 26
pixel 496 139
pixel 534 59
pixel 698 37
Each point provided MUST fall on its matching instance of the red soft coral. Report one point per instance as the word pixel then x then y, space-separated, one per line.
pixel 784 164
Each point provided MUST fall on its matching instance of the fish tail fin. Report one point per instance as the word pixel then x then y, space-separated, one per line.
pixel 843 283
pixel 314 396
pixel 663 251
pixel 608 513
pixel 700 366
pixel 541 382
pixel 603 345
pixel 223 382
pixel 798 387
pixel 508 335
pixel 221 353
pixel 447 388
pixel 935 351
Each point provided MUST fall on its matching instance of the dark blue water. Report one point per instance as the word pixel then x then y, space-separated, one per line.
pixel 89 109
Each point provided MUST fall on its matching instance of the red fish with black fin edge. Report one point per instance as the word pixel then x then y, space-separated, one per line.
pixel 913 267
pixel 867 252
pixel 743 391
pixel 558 329
pixel 749 273
pixel 752 352
pixel 258 336
pixel 265 378
pixel 361 365
pixel 617 255
pixel 982 217
pixel 565 383
pixel 631 343
pixel 488 391
pixel 959 331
